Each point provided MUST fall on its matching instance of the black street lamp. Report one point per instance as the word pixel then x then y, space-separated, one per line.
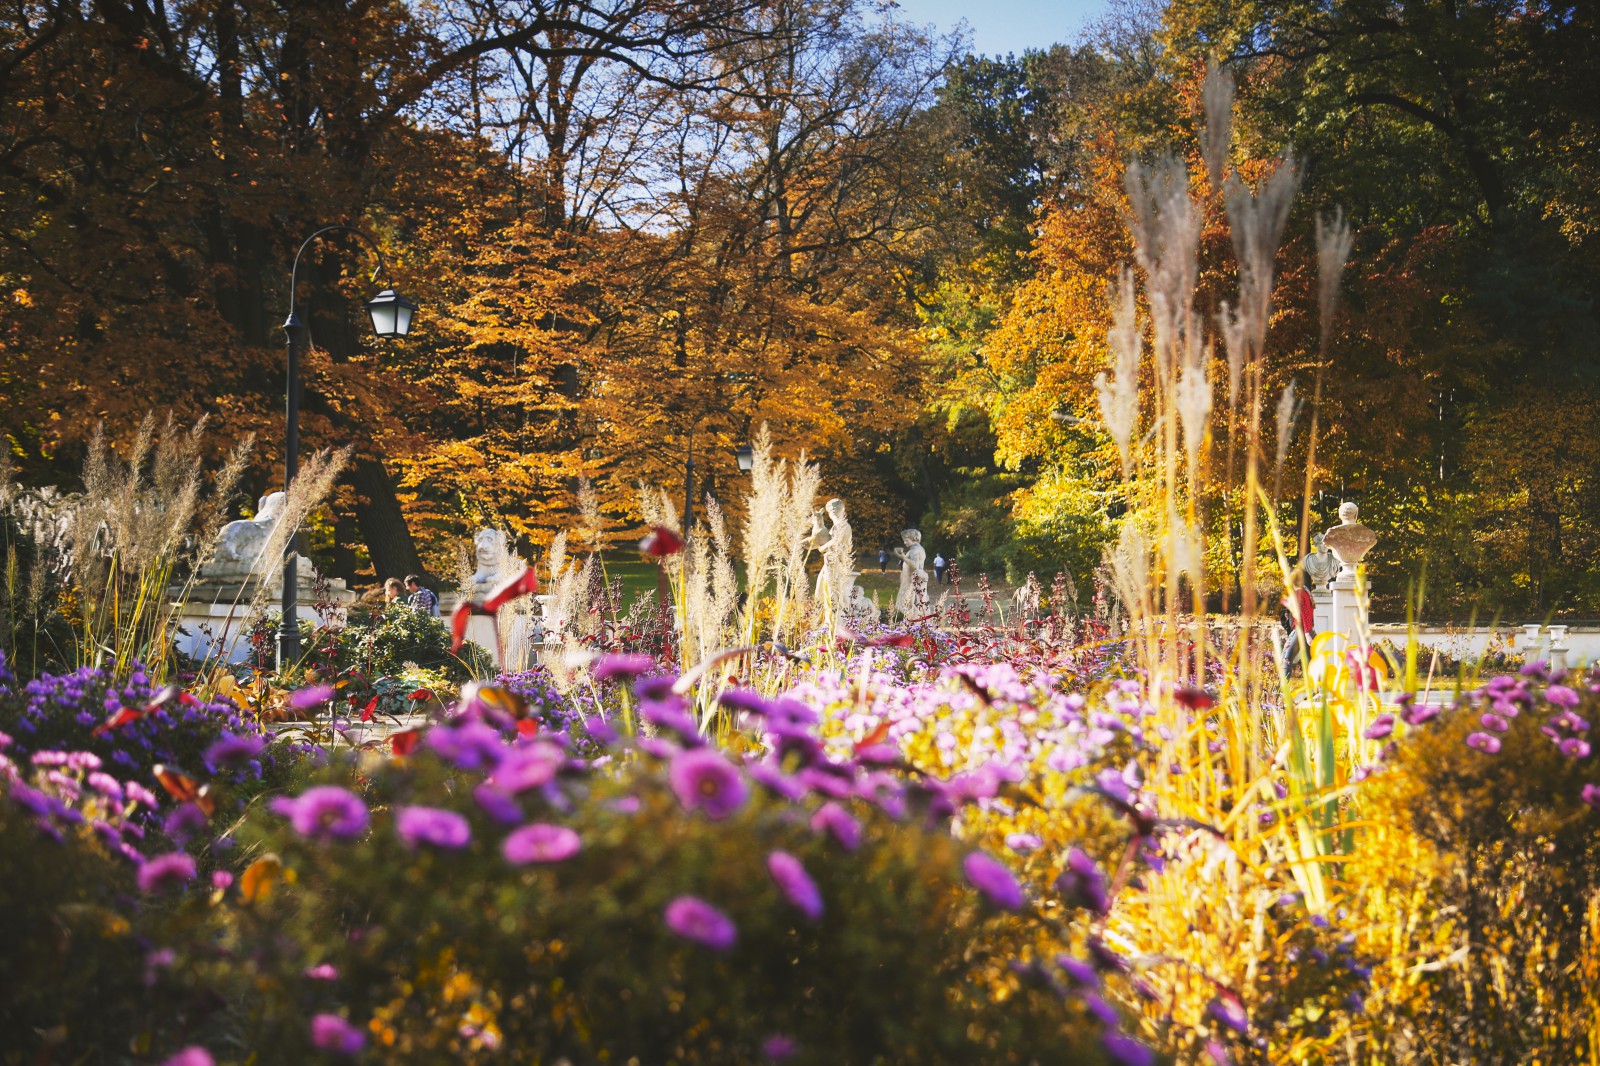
pixel 391 316
pixel 747 458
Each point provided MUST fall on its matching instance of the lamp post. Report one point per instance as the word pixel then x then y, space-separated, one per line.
pixel 391 316
pixel 747 458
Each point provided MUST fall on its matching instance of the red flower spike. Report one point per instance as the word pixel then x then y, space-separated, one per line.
pixel 524 584
pixel 458 625
pixel 405 742
pixel 661 542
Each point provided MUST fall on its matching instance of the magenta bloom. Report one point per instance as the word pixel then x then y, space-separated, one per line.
pixel 324 812
pixel 162 872
pixel 694 919
pixel 433 826
pixel 1381 727
pixel 1230 1014
pixel 796 885
pixel 1561 696
pixel 621 666
pixel 1082 884
pixel 322 972
pixel 779 1048
pixel 233 751
pixel 1591 796
pixel 528 766
pixel 194 1055
pixel 329 1032
pixel 497 803
pixel 306 698
pixel 991 877
pixel 540 842
pixel 837 823
pixel 1493 721
pixel 1487 743
pixel 1575 748
pixel 706 781
pixel 1125 1051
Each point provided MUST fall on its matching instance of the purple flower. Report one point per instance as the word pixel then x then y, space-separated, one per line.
pixel 796 885
pixel 1125 1051
pixel 233 751
pixel 325 811
pixel 468 745
pixel 162 872
pixel 747 700
pixel 611 666
pixel 1591 796
pixel 1022 843
pixel 528 766
pixel 779 1048
pixel 329 1032
pixel 1493 721
pixel 433 826
pixel 658 687
pixel 991 877
pixel 1229 1013
pixel 1562 696
pixel 704 780
pixel 1575 748
pixel 1082 884
pixel 1079 972
pixel 837 823
pixel 694 919
pixel 306 698
pixel 221 880
pixel 498 804
pixel 1218 1054
pixel 670 715
pixel 322 972
pixel 1381 727
pixel 540 842
pixel 194 1055
pixel 106 785
pixel 1421 713
pixel 1487 743
pixel 183 821
pixel 770 776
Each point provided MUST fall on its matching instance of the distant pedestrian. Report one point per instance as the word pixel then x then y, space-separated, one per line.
pixel 883 560
pixel 392 591
pixel 938 569
pixel 422 598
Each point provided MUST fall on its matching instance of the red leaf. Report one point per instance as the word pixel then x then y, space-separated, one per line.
pixel 1196 699
pixel 405 741
pixel 421 694
pixel 458 625
pixel 661 542
pixel 893 640
pixel 524 584
pixel 366 712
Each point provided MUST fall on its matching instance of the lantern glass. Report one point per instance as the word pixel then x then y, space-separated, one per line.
pixel 747 459
pixel 391 314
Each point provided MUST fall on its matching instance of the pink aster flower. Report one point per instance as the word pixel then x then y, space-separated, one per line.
pixel 528 766
pixel 331 1033
pixel 433 826
pixel 1591 796
pixel 540 842
pixel 621 666
pixel 194 1055
pixel 779 1048
pixel 1575 748
pixel 704 780
pixel 1082 884
pixel 162 872
pixel 991 877
pixel 1381 727
pixel 311 696
pixel 696 920
pixel 322 972
pixel 1493 721
pixel 837 823
pixel 1487 743
pixel 789 874
pixel 1561 696
pixel 233 751
pixel 325 811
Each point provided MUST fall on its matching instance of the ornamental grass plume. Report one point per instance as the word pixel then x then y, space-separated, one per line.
pixel 1119 395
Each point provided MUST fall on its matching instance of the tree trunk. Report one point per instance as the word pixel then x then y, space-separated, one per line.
pixel 382 523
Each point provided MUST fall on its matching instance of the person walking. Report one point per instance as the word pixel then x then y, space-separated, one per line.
pixel 938 569
pixel 422 598
pixel 392 591
pixel 883 560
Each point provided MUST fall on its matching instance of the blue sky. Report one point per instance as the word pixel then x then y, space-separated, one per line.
pixel 1001 26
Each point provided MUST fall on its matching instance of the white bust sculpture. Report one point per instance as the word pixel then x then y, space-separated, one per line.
pixel 240 544
pixel 913 595
pixel 489 546
pixel 1319 564
pixel 1349 540
pixel 860 607
pixel 836 543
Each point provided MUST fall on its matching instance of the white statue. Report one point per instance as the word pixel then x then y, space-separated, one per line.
pixel 860 607
pixel 837 578
pixel 1319 564
pixel 913 595
pixel 490 547
pixel 1349 541
pixel 240 544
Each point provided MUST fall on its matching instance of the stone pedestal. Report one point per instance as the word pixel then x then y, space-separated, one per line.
pixel 1345 609
pixel 1322 613
pixel 215 612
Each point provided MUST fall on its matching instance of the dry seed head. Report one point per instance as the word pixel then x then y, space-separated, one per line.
pixel 1119 397
pixel 1334 240
pixel 1216 136
pixel 1256 221
pixel 1194 403
pixel 1288 411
